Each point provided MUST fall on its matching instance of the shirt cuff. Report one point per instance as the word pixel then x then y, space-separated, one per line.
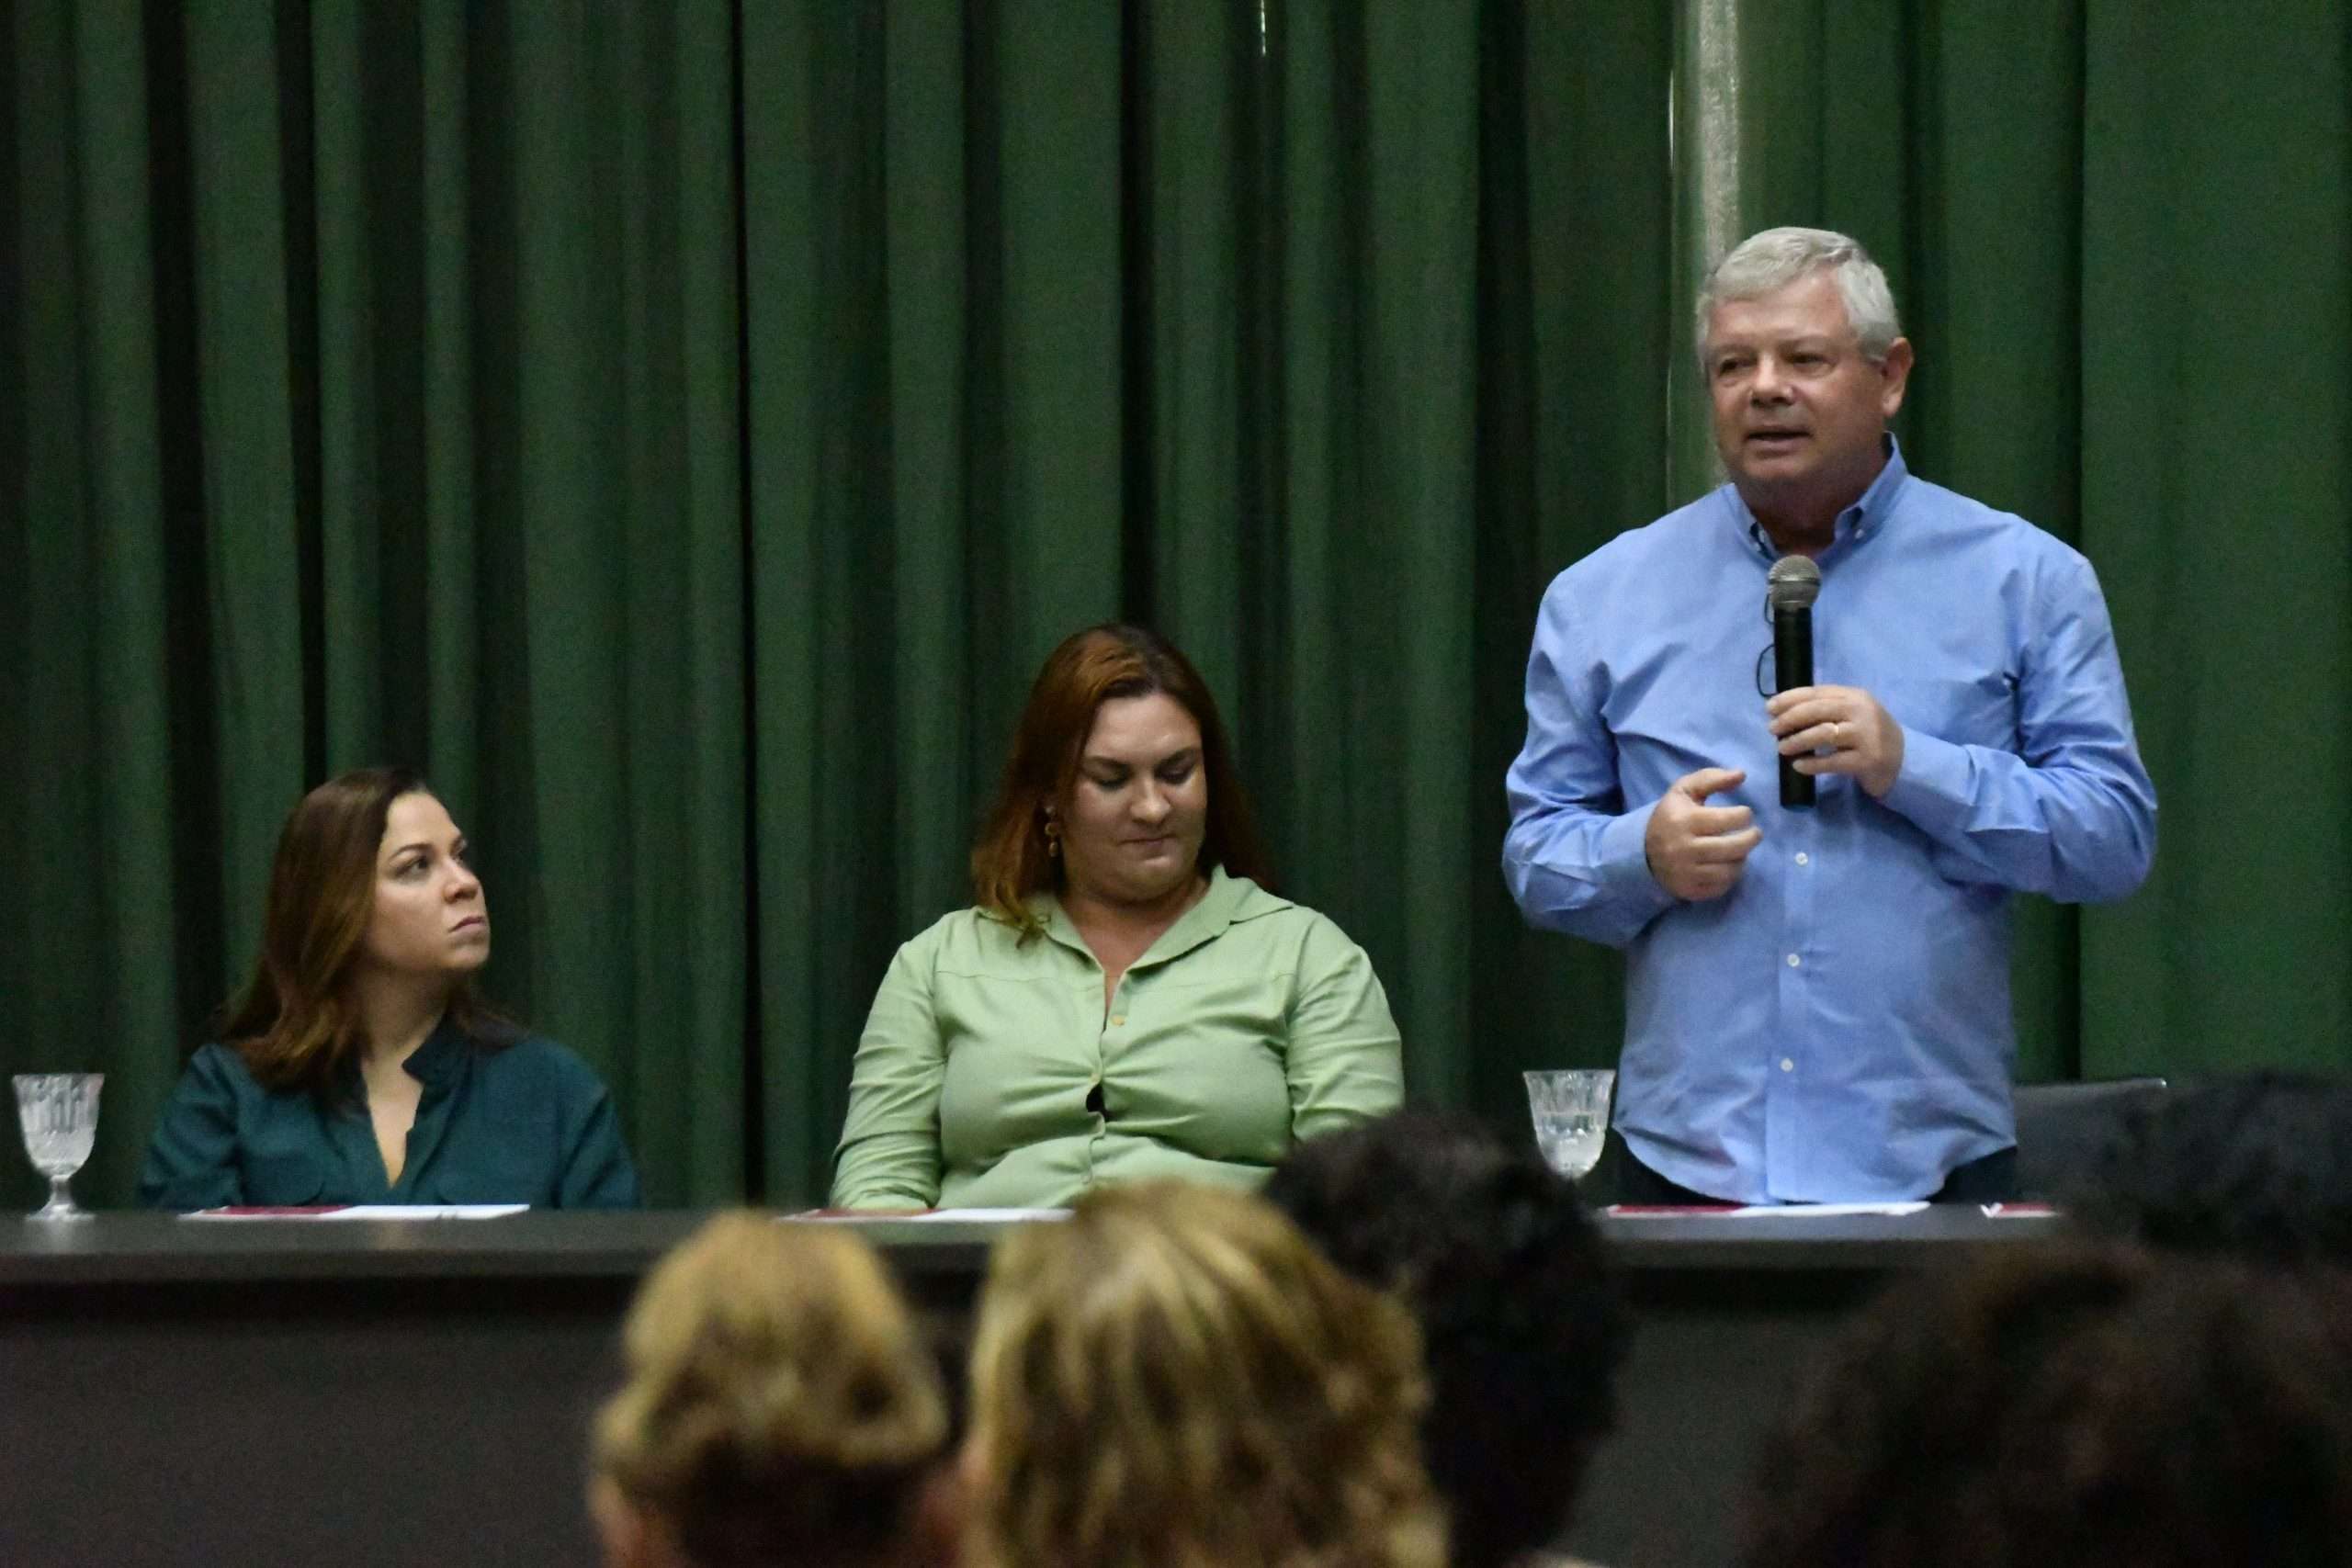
pixel 1625 863
pixel 1932 789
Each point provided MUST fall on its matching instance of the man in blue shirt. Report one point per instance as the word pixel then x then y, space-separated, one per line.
pixel 1817 999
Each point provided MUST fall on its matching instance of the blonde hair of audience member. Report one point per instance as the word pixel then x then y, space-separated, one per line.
pixel 1175 1377
pixel 779 1406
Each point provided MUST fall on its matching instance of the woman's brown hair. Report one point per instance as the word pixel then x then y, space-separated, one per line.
pixel 1175 1377
pixel 294 1023
pixel 1011 861
pixel 781 1404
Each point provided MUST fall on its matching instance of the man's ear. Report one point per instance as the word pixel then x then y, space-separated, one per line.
pixel 1897 371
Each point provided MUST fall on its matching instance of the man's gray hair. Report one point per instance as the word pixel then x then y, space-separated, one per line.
pixel 1763 264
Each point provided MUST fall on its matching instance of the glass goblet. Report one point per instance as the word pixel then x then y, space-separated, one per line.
pixel 1570 1109
pixel 59 1113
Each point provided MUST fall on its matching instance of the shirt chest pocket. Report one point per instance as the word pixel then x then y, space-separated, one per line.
pixel 515 1164
pixel 1978 712
pixel 284 1175
pixel 1228 1023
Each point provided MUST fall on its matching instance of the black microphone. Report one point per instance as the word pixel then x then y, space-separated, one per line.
pixel 1790 588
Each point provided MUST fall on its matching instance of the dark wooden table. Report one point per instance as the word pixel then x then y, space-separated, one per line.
pixel 407 1392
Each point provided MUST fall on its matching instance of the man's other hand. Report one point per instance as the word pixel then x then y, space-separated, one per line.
pixel 1695 850
pixel 1838 729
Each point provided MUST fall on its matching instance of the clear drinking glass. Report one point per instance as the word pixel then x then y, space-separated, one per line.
pixel 59 1112
pixel 1570 1109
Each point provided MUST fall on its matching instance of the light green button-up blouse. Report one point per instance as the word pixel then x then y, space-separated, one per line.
pixel 991 1076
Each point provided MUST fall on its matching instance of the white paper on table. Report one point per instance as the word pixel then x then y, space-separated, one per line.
pixel 929 1216
pixel 369 1211
pixel 1811 1211
pixel 426 1211
pixel 1763 1211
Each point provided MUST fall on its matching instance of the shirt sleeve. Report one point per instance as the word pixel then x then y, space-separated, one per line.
pixel 597 1171
pixel 2072 813
pixel 889 1155
pixel 1574 857
pixel 192 1159
pixel 1344 1062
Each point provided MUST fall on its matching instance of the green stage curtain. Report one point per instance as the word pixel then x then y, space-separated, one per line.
pixel 681 429
pixel 2119 233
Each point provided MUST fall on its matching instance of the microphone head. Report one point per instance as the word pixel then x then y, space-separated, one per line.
pixel 1793 584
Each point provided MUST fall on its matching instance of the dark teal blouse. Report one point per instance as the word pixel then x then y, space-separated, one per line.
pixel 528 1122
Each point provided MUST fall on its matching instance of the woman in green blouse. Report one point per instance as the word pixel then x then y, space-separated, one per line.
pixel 358 1066
pixel 1128 999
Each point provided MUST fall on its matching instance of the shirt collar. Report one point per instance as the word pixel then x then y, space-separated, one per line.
pixel 436 1062
pixel 1205 921
pixel 1857 521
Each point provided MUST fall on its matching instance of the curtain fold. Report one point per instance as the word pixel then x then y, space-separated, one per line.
pixel 2217 498
pixel 2117 233
pixel 682 430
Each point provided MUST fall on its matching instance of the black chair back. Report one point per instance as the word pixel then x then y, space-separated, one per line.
pixel 2062 1128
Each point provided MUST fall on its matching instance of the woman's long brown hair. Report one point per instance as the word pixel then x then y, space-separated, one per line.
pixel 1011 861
pixel 294 1023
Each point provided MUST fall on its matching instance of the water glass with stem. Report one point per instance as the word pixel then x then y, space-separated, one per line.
pixel 1570 1109
pixel 59 1114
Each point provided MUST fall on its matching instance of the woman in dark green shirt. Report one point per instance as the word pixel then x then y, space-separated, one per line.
pixel 358 1066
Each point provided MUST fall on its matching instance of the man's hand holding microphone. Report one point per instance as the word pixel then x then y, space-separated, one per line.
pixel 1696 851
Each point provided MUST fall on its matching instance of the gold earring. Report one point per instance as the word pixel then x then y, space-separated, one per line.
pixel 1053 837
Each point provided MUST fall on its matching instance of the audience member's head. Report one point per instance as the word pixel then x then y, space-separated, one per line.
pixel 780 1407
pixel 2257 1166
pixel 2095 1408
pixel 1175 1377
pixel 1522 1330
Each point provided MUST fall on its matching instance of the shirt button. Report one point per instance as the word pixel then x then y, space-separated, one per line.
pixel 1118 1018
pixel 1804 859
pixel 1788 1065
pixel 1795 961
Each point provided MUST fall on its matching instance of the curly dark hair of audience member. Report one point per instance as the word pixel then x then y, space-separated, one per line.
pixel 1174 1378
pixel 1521 1324
pixel 779 1404
pixel 2257 1166
pixel 2094 1407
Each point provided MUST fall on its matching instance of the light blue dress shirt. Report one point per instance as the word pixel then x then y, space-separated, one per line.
pixel 1837 1028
